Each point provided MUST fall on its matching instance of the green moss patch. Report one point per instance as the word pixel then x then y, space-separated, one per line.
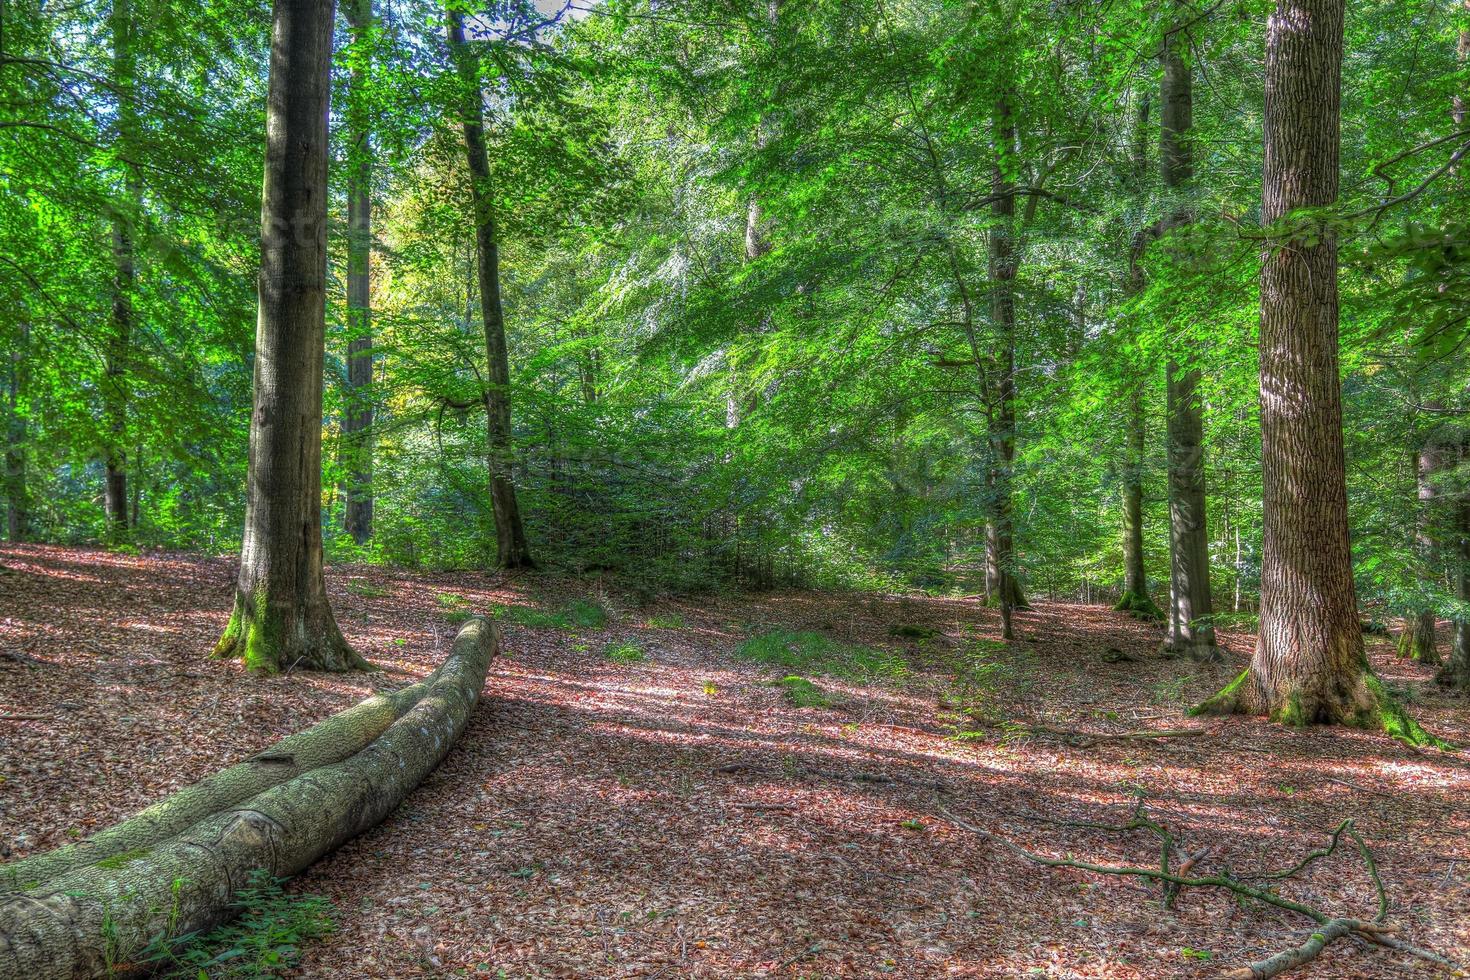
pixel 802 693
pixel 818 653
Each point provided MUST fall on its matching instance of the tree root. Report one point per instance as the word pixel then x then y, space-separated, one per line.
pixel 1375 931
pixel 1141 606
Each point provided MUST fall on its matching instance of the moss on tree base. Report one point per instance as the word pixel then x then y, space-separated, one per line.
pixel 1371 708
pixel 268 649
pixel 1140 605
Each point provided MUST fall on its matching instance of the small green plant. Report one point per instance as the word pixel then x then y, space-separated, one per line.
pixel 581 613
pixel 668 621
pixel 457 616
pixel 912 823
pixel 1190 953
pixel 909 631
pixel 367 589
pixel 624 652
pixel 802 693
pixel 818 653
pixel 586 614
pixel 710 690
pixel 1170 691
pixel 265 941
pixel 451 601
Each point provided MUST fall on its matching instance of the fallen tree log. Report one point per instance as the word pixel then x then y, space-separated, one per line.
pixel 339 737
pixel 98 919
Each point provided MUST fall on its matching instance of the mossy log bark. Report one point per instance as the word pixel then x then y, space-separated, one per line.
pixel 99 918
pixel 338 737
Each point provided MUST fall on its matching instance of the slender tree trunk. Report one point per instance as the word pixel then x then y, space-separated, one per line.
pixel 1189 629
pixel 1309 665
pixel 281 617
pixel 1135 597
pixel 1418 641
pixel 115 392
pixel 357 421
pixel 17 497
pixel 1002 581
pixel 1455 672
pixel 512 548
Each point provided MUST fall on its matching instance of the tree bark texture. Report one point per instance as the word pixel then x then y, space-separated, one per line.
pixel 512 548
pixel 337 738
pixel 357 421
pixel 1455 672
pixel 17 496
pixel 97 919
pixel 1135 598
pixel 1002 582
pixel 116 389
pixel 1190 608
pixel 1309 665
pixel 281 618
pixel 1419 640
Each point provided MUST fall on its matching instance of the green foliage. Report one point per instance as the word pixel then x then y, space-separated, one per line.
pixel 802 693
pixel 577 614
pixel 988 677
pixel 625 652
pixel 667 621
pixel 264 941
pixel 819 653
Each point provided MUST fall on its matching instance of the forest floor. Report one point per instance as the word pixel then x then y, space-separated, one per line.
pixel 681 816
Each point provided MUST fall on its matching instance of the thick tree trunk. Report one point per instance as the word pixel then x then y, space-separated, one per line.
pixel 281 617
pixel 115 392
pixel 357 421
pixel 99 918
pixel 17 496
pixel 1189 629
pixel 1001 579
pixel 512 548
pixel 1309 664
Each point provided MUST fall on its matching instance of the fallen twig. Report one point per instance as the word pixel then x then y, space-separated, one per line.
pixel 1085 740
pixel 1288 958
pixel 25 717
pixel 1377 931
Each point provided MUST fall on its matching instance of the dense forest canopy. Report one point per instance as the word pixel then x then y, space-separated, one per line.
pixel 996 363
pixel 951 296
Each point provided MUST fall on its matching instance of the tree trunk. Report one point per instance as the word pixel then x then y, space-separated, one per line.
pixel 1309 664
pixel 101 918
pixel 281 617
pixel 512 549
pixel 1456 671
pixel 1418 640
pixel 357 421
pixel 1189 629
pixel 1135 597
pixel 17 497
pixel 1002 581
pixel 115 391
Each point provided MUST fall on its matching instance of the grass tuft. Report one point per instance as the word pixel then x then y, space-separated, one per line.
pixel 625 652
pixel 802 693
pixel 818 653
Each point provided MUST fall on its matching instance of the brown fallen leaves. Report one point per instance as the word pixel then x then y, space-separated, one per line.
pixel 678 817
